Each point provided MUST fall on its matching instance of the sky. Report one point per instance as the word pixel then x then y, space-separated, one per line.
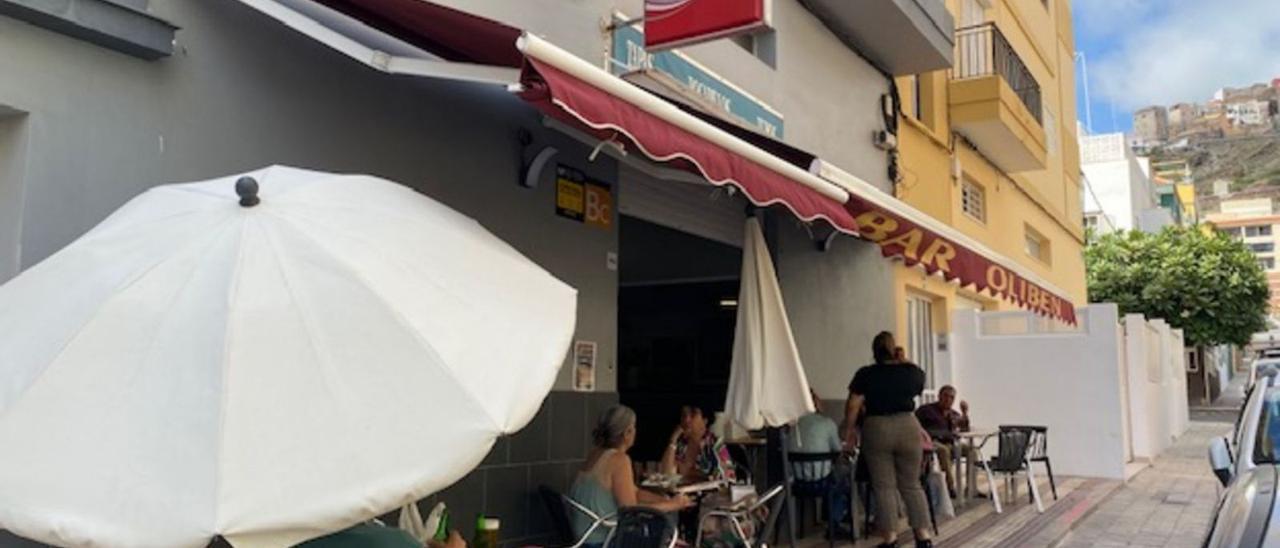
pixel 1145 52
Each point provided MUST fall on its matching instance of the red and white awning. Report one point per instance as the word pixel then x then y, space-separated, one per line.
pixel 427 39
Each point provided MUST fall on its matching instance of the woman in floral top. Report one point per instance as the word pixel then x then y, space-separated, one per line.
pixel 695 453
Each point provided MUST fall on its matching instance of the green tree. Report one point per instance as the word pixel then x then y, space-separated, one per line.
pixel 1208 285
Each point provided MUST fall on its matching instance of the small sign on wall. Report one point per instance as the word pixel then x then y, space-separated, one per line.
pixel 584 366
pixel 583 198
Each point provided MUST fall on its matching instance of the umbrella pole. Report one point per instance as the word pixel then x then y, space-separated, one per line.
pixel 786 479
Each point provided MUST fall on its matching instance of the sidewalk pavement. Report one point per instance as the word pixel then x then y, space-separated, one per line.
pixel 1020 526
pixel 1225 408
pixel 1170 504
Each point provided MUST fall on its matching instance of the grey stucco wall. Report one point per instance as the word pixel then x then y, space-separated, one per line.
pixel 828 95
pixel 837 300
pixel 244 92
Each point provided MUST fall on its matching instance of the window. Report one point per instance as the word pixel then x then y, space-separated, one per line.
pixel 917 111
pixel 1258 230
pixel 918 99
pixel 1231 232
pixel 1091 222
pixel 763 45
pixel 1265 447
pixel 1037 245
pixel 973 201
pixel 920 335
pixel 1267 263
pixel 971 13
pixel 1262 248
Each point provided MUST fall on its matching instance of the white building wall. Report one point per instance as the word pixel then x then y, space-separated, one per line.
pixel 1111 194
pixel 1122 189
pixel 1110 393
pixel 1016 368
pixel 1156 385
pixel 1154 220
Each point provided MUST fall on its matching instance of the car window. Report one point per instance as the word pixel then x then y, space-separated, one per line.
pixel 1265 447
pixel 1267 366
pixel 1237 431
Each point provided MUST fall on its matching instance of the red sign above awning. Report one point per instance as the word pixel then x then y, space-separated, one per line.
pixel 672 23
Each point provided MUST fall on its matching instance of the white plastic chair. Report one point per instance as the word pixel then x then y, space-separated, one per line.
pixel 738 516
pixel 608 521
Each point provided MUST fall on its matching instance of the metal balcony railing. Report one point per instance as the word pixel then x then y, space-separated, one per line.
pixel 981 50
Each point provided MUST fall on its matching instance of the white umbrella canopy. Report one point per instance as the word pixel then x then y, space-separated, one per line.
pixel 192 367
pixel 767 384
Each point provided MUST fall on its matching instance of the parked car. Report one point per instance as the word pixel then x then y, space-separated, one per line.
pixel 1247 463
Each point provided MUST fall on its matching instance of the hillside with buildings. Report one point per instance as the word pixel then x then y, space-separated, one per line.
pixel 1228 146
pixel 1232 112
pixel 1235 166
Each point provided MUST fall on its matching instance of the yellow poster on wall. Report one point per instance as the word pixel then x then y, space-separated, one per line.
pixel 582 198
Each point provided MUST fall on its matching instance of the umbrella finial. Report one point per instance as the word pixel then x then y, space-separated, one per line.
pixel 247 189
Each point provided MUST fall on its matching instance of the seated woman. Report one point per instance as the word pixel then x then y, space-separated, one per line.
pixel 607 480
pixel 695 453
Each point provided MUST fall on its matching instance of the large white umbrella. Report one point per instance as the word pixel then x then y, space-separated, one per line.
pixel 767 384
pixel 193 367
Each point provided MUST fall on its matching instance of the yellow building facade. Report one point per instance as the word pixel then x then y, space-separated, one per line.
pixel 989 147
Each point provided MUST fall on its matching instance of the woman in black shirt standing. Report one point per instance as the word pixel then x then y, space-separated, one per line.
pixel 890 438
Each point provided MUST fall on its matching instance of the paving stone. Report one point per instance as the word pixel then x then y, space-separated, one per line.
pixel 1168 505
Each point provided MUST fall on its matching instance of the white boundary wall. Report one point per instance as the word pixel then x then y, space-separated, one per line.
pixel 1017 368
pixel 1156 384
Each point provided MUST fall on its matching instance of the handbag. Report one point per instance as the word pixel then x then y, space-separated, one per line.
pixel 941 500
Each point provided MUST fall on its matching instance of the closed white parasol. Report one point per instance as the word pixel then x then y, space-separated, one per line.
pixel 767 384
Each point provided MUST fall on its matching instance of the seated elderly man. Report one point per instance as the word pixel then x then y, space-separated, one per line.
pixel 943 423
pixel 818 433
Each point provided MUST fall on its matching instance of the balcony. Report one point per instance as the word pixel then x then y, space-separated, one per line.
pixel 995 101
pixel 899 36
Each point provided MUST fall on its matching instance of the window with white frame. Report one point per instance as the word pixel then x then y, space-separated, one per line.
pixel 1267 263
pixel 920 334
pixel 1037 245
pixel 973 201
pixel 1257 230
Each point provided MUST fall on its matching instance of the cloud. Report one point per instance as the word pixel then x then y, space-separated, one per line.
pixel 1178 50
pixel 1102 18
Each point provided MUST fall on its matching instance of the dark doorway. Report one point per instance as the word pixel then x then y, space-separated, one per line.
pixel 677 307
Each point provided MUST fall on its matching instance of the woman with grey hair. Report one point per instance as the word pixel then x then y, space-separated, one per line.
pixel 606 481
